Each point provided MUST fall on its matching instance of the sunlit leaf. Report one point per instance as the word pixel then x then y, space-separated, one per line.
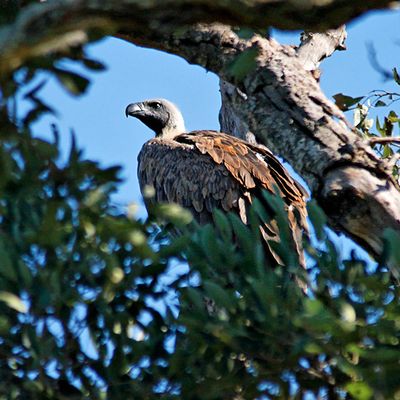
pixel 13 301
pixel 359 390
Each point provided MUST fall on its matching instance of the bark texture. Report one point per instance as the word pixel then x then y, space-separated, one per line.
pixel 40 21
pixel 277 102
pixel 315 47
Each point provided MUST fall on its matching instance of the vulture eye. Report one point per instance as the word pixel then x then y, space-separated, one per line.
pixel 156 105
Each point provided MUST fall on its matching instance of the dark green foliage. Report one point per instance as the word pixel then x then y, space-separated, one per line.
pixel 266 337
pixel 8 11
pixel 75 274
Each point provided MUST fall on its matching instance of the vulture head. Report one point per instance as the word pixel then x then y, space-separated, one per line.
pixel 160 115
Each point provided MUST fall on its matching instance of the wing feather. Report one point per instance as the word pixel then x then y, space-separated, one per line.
pixel 203 170
pixel 181 174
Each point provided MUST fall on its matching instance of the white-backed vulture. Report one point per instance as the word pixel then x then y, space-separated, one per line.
pixel 203 170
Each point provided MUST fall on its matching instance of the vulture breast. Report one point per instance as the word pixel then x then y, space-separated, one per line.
pixel 203 170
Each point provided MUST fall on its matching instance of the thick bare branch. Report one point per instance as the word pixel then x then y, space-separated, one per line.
pixel 315 47
pixel 362 204
pixel 384 140
pixel 39 23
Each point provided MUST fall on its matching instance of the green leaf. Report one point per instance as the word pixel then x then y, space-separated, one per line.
pixel 393 117
pixel 396 76
pixel 94 65
pixel 24 273
pixel 243 233
pixel 359 390
pixel 196 299
pixel 222 222
pixel 264 290
pixel 243 64
pixel 74 83
pixel 13 301
pixel 176 246
pixel 380 103
pixel 313 307
pixel 174 213
pixel 318 218
pixel 392 242
pixel 387 151
pixel 7 268
pixel 221 296
pixel 4 325
pixel 210 243
pixel 344 102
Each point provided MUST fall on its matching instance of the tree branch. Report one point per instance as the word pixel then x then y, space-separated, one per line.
pixel 384 140
pixel 32 33
pixel 315 47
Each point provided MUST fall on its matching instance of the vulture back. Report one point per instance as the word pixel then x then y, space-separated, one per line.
pixel 203 170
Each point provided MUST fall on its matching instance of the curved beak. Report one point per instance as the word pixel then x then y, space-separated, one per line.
pixel 134 109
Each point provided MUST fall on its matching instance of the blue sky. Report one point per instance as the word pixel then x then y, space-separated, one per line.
pixel 135 74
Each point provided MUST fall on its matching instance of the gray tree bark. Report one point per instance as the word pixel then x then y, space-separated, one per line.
pixel 44 26
pixel 278 102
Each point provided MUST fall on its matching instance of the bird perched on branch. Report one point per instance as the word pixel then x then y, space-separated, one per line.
pixel 203 170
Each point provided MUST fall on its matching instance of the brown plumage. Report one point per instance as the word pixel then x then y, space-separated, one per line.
pixel 203 170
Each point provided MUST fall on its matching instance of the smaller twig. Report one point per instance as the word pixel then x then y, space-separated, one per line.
pixel 393 140
pixel 379 94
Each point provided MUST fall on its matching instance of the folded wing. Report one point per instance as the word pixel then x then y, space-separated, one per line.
pixel 203 170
